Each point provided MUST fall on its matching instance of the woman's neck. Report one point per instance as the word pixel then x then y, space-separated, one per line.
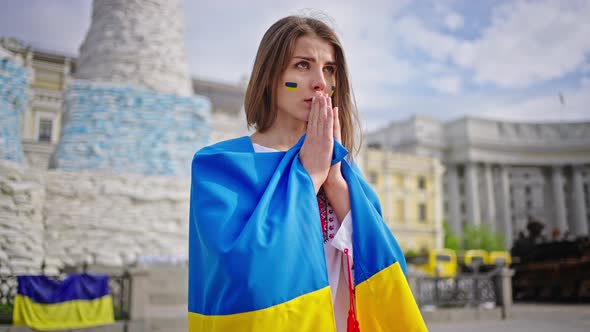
pixel 279 137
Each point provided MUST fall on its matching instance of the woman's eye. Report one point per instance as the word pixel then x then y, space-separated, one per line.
pixel 302 65
pixel 330 69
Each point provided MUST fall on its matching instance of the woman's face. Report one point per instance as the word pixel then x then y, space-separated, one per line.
pixel 311 68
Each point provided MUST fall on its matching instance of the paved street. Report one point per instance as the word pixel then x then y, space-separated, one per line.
pixel 529 317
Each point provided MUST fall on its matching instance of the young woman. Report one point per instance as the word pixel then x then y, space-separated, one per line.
pixel 277 218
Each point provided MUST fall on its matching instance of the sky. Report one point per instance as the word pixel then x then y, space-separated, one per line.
pixel 507 60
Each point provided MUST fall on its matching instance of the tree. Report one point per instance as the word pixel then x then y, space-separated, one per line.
pixel 474 237
pixel 482 237
pixel 452 241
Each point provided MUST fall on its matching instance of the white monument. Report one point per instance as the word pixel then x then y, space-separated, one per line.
pixel 139 43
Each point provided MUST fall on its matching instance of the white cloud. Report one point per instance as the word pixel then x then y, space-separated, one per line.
pixel 447 84
pixel 440 47
pixel 526 43
pixel 364 30
pixel 542 107
pixel 533 41
pixel 454 21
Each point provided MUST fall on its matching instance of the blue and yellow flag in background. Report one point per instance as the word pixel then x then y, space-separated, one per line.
pixel 256 255
pixel 81 300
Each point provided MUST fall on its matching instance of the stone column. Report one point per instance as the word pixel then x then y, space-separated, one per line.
pixel 453 199
pixel 66 72
pixel 580 216
pixel 559 199
pixel 140 300
pixel 438 205
pixel 505 292
pixel 490 209
pixel 504 205
pixel 472 194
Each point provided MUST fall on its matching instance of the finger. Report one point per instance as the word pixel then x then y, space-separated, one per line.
pixel 330 120
pixel 311 119
pixel 323 115
pixel 330 110
pixel 337 130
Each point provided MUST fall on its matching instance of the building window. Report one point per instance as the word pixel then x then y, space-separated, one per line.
pixel 421 183
pixel 422 212
pixel 460 171
pixel 45 129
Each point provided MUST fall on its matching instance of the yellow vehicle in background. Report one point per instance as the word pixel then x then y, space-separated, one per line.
pixel 483 261
pixel 497 258
pixel 446 263
pixel 441 262
pixel 471 260
pixel 475 256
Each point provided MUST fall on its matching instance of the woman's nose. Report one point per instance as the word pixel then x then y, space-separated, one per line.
pixel 319 82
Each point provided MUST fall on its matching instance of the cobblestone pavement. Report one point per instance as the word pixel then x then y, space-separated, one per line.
pixel 529 317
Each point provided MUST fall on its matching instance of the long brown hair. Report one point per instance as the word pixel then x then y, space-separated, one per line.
pixel 272 58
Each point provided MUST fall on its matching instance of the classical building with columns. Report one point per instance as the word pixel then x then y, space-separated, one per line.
pixel 502 173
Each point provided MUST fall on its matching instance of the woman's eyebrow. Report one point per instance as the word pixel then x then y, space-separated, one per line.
pixel 311 59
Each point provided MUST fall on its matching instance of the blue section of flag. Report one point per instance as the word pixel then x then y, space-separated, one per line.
pixel 255 237
pixel 255 240
pixel 44 290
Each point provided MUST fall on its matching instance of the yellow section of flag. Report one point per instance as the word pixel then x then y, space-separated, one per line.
pixel 65 315
pixel 385 303
pixel 311 311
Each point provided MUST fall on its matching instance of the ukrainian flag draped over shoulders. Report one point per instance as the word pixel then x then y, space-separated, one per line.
pixel 79 301
pixel 256 255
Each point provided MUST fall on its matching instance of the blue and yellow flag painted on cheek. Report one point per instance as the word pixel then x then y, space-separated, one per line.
pixel 79 301
pixel 256 255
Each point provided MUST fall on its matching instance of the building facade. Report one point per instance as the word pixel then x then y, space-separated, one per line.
pixel 43 115
pixel 503 173
pixel 112 134
pixel 410 191
pixel 50 73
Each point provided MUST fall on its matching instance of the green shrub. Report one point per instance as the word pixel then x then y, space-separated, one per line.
pixel 474 237
pixel 451 240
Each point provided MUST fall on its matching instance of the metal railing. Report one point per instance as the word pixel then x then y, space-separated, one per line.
pixel 119 287
pixel 464 290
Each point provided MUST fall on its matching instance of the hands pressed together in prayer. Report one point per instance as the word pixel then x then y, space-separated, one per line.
pixel 323 126
pixel 316 153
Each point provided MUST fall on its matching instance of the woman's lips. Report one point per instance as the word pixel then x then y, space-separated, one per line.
pixel 307 102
